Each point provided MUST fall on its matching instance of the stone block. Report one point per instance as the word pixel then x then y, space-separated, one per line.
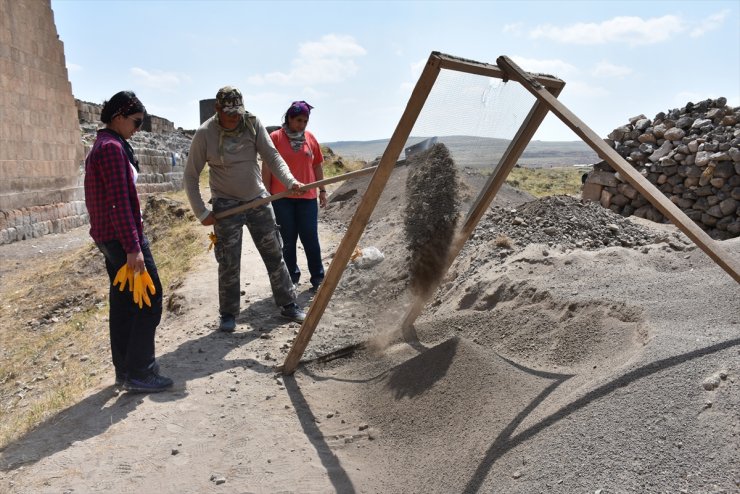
pixel 602 178
pixel 606 198
pixel 592 192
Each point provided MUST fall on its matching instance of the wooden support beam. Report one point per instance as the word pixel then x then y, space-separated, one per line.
pixel 626 171
pixel 472 67
pixel 364 210
pixel 288 193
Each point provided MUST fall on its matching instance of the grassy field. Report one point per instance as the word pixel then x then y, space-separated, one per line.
pixel 542 182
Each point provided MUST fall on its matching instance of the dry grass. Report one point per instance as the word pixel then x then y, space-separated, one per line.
pixel 504 241
pixel 336 165
pixel 541 182
pixel 54 323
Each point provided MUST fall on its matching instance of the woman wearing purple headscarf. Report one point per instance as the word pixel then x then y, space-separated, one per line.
pixel 298 216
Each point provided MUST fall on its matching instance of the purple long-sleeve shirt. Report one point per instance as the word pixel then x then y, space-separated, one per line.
pixel 110 194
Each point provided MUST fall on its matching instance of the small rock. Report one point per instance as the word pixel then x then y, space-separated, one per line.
pixel 517 474
pixel 175 451
pixel 710 383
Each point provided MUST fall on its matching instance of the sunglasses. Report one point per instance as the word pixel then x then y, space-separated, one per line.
pixel 137 121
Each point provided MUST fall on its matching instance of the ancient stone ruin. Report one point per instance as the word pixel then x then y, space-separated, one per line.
pixel 45 133
pixel 159 148
pixel 40 147
pixel 691 154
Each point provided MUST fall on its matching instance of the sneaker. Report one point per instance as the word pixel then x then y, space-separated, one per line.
pixel 293 312
pixel 153 383
pixel 121 376
pixel 228 323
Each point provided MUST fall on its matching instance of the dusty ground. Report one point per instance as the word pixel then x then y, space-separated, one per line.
pixel 554 362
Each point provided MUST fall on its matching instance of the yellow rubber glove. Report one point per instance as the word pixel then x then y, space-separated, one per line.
pixel 213 239
pixel 124 275
pixel 147 283
pixel 121 277
pixel 130 276
pixel 137 290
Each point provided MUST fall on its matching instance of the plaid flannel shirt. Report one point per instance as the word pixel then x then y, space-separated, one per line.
pixel 110 194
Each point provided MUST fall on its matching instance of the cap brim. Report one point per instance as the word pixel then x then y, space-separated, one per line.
pixel 239 110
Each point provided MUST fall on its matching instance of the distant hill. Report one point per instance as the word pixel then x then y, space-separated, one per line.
pixel 480 152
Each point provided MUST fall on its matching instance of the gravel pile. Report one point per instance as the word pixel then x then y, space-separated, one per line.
pixel 563 221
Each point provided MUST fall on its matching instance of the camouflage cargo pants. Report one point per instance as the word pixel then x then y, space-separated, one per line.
pixel 228 249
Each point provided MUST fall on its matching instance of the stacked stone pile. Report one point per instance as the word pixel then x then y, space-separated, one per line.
pixel 691 154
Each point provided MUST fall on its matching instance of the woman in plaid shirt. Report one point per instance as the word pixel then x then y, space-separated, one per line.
pixel 112 203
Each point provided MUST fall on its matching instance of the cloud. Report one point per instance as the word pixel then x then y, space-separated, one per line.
pixel 515 28
pixel 73 67
pixel 416 69
pixel 327 61
pixel 708 24
pixel 555 67
pixel 631 30
pixel 606 69
pixel 156 79
pixel 581 90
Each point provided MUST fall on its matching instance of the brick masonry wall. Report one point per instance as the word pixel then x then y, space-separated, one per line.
pixel 41 147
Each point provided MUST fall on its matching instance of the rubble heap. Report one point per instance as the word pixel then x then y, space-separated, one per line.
pixel 691 154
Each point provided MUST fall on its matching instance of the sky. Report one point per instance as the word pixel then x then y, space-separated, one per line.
pixel 357 61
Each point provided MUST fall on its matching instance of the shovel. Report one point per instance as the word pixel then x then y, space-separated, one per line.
pixel 288 193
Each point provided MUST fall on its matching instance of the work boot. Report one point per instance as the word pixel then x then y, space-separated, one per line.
pixel 228 323
pixel 293 312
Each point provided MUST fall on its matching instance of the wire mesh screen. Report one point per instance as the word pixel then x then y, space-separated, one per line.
pixel 465 126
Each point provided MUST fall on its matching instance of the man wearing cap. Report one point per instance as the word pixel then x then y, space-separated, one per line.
pixel 229 142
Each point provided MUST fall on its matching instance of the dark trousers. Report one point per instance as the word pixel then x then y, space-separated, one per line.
pixel 298 218
pixel 131 329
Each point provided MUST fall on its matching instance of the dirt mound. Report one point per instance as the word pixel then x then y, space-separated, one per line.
pixel 530 325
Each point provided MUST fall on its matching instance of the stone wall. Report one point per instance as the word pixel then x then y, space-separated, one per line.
pixel 156 171
pixel 42 148
pixel 90 113
pixel 40 145
pixel 691 154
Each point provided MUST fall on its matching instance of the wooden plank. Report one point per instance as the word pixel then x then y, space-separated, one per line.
pixel 648 190
pixel 472 67
pixel 485 198
pixel 362 214
pixel 287 193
